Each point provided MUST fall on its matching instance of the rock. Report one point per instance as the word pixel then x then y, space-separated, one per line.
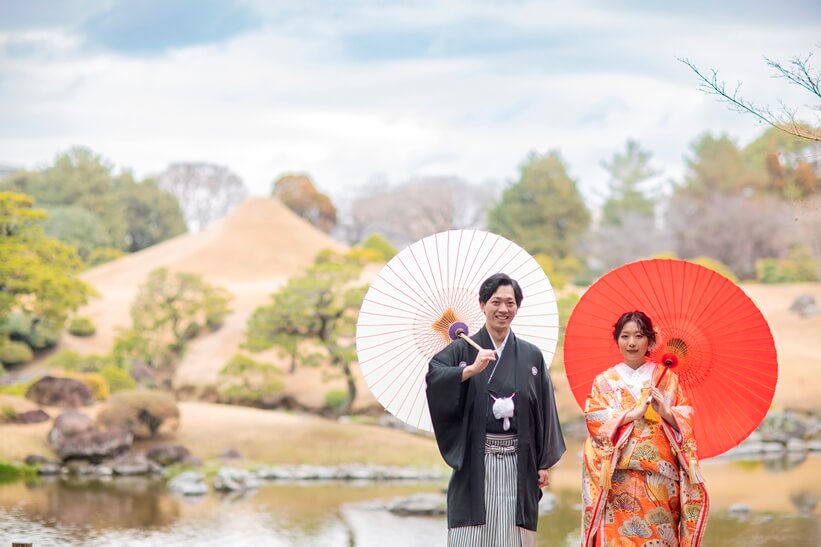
pixel 189 483
pixel 796 445
pixel 33 459
pixel 49 469
pixel 78 467
pixel 233 479
pixel 168 454
pixel 805 305
pixel 131 465
pixel 230 454
pixel 419 505
pixel 95 445
pixel 63 392
pixel 32 417
pixel 67 425
pixel 547 503
pixel 814 446
pixel 739 511
pixel 782 426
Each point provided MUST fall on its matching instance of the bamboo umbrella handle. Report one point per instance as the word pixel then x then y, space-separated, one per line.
pixel 470 341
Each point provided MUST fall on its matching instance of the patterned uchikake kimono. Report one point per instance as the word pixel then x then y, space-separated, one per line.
pixel 641 483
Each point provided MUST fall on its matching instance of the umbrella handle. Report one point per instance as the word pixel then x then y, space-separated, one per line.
pixel 470 341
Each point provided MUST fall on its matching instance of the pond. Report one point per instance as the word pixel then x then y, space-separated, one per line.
pixel 137 511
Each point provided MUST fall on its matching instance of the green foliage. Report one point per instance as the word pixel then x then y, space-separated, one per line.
pixel 313 317
pixel 381 246
pixel 95 382
pixel 142 412
pixel 67 359
pixel 774 164
pixel 628 171
pixel 133 214
pixel 101 255
pixel 16 390
pixel 335 400
pixel 7 414
pixel 78 227
pixel 543 211
pixel 15 353
pixel 82 326
pixel 169 310
pixel 715 265
pixel 151 215
pixel 38 274
pixel 248 381
pixel 10 472
pixel 118 379
pixel 565 304
pixel 798 267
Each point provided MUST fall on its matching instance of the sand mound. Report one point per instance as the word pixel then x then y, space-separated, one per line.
pixel 251 253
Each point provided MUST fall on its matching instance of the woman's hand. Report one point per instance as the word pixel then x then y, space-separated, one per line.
pixel 483 358
pixel 637 411
pixel 661 407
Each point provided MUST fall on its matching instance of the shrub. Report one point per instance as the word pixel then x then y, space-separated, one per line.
pixel 71 360
pixel 118 379
pixel 35 331
pixel 15 353
pixel 94 381
pixel 11 472
pixel 142 412
pixel 379 245
pixel 715 265
pixel 798 267
pixel 7 414
pixel 101 255
pixel 335 399
pixel 82 326
pixel 249 381
pixel 16 390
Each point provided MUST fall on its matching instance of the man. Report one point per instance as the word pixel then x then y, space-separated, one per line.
pixel 495 421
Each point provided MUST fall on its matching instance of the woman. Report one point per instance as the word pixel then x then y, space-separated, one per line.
pixel 640 481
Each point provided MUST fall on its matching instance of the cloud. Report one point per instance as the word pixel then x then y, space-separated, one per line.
pixel 349 90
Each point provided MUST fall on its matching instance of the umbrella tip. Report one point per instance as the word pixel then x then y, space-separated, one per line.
pixel 670 360
pixel 456 329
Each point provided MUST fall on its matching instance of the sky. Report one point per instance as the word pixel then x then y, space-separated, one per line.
pixel 353 92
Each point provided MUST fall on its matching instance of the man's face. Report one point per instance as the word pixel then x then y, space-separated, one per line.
pixel 500 309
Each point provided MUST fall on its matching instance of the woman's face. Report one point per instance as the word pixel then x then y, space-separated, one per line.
pixel 633 344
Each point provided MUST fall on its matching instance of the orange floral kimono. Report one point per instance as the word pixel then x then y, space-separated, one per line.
pixel 641 483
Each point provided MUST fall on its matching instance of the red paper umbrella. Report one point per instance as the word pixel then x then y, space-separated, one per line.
pixel 726 355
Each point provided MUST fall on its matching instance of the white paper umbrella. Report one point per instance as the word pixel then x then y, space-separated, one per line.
pixel 418 296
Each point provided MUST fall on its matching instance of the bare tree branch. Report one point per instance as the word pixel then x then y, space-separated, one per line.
pixel 799 73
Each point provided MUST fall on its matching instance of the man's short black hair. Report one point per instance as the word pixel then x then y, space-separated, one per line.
pixel 492 284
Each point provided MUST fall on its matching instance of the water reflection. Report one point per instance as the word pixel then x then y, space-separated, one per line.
pixel 128 511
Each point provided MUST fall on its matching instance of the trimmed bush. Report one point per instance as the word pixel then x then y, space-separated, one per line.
pixel 715 265
pixel 71 360
pixel 82 326
pixel 246 381
pixel 798 267
pixel 101 255
pixel 335 399
pixel 384 250
pixel 94 381
pixel 15 353
pixel 142 412
pixel 118 379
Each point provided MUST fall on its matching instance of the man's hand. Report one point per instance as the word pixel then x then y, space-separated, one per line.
pixel 544 479
pixel 483 358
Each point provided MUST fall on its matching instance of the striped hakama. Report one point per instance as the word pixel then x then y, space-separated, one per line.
pixel 500 528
